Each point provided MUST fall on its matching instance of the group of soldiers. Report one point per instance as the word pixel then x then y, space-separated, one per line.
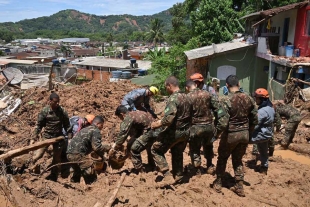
pixel 197 117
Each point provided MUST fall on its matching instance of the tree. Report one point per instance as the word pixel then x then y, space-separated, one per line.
pixel 155 33
pixel 215 21
pixel 110 38
pixel 154 54
pixel 65 50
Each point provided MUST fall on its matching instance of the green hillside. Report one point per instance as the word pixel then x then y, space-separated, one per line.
pixel 74 23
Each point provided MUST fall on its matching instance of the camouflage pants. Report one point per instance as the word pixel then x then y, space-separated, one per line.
pixel 290 130
pixel 85 168
pixel 58 157
pixel 143 142
pixel 201 135
pixel 234 144
pixel 176 141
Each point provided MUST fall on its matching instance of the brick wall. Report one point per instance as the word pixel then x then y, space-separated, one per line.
pixel 199 65
pixel 94 74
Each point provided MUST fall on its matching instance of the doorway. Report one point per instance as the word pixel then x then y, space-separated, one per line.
pixel 285 30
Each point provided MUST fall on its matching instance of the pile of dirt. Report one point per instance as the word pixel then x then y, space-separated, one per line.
pixel 98 98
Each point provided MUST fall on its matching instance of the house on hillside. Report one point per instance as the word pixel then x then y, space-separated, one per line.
pixel 283 39
pixel 280 48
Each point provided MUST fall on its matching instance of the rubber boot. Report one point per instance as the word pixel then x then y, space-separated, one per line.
pixel 168 180
pixel 263 170
pixel 271 150
pixel 217 185
pixel 238 188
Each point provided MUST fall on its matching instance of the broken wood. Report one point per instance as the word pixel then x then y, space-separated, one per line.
pixel 301 81
pixel 112 198
pixel 9 81
pixel 5 187
pixel 24 150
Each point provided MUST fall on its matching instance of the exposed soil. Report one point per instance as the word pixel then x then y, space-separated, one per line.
pixel 287 182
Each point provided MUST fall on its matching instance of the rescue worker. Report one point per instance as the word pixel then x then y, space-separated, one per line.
pixel 137 125
pixel 177 120
pixel 263 131
pixel 293 118
pixel 139 99
pixel 203 130
pixel 199 80
pixel 53 118
pixel 81 145
pixel 242 119
pixel 77 123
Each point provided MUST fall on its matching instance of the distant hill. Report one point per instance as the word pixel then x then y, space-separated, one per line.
pixel 73 20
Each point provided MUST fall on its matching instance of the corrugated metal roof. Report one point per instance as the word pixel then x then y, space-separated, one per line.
pixel 277 10
pixel 214 49
pixel 112 63
pixel 28 62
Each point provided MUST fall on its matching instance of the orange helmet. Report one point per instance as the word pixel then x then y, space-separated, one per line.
pixel 261 92
pixel 89 118
pixel 196 77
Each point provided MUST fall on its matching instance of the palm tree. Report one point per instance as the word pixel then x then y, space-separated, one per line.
pixel 156 31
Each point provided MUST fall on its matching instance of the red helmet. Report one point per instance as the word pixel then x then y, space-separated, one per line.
pixel 196 77
pixel 261 92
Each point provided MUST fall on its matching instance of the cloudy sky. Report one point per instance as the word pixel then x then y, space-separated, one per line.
pixel 15 10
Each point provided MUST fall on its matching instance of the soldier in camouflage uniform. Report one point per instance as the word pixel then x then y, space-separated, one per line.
pixel 137 125
pixel 81 145
pixel 242 119
pixel 202 130
pixel 53 119
pixel 293 118
pixel 177 120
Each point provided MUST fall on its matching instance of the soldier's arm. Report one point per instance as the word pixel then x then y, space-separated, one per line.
pixel 66 121
pixel 97 146
pixel 40 123
pixel 220 113
pixel 124 130
pixel 253 119
pixel 170 113
pixel 277 121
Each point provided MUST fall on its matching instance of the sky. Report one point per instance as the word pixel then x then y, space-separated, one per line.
pixel 15 10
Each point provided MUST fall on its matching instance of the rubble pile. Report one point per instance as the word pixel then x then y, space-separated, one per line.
pixel 98 98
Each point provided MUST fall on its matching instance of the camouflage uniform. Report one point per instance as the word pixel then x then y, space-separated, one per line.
pixel 81 145
pixel 53 123
pixel 177 121
pixel 202 130
pixel 138 100
pixel 293 118
pixel 134 125
pixel 243 117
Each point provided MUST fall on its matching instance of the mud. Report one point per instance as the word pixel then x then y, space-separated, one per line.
pixel 287 182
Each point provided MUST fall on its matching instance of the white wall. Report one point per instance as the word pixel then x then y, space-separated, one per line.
pixel 278 21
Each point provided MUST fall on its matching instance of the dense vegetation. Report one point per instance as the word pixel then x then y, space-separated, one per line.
pixel 72 23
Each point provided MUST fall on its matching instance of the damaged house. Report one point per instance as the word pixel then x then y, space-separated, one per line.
pixel 278 47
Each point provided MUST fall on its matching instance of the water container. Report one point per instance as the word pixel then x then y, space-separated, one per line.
pixel 132 60
pixel 55 61
pixel 281 51
pixel 289 50
pixel 63 60
pixel 116 74
pixel 126 75
pixel 300 70
pixel 141 72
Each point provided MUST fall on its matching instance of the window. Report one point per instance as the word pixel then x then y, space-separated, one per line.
pixel 307 32
pixel 224 71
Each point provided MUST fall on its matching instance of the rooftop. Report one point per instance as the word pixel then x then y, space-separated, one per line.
pixel 25 62
pixel 112 63
pixel 215 48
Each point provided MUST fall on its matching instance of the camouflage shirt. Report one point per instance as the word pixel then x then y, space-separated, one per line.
pixel 287 111
pixel 177 112
pixel 86 141
pixel 53 122
pixel 242 111
pixel 203 104
pixel 133 121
